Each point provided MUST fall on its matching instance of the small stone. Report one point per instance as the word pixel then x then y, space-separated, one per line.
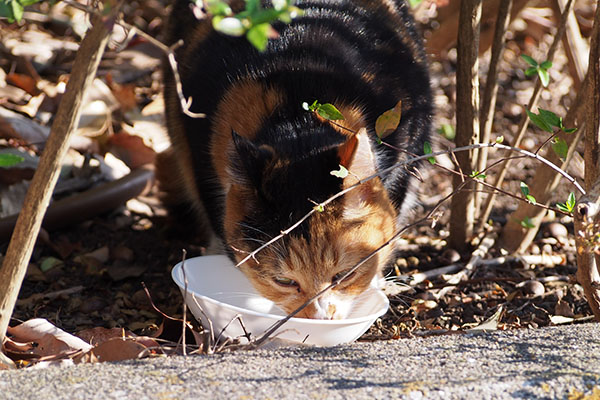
pixel 92 304
pixel 557 230
pixel 547 249
pixel 425 296
pixel 532 287
pixel 563 308
pixel 451 256
pixel 122 253
pixel 413 261
pixel 401 263
pixel 535 249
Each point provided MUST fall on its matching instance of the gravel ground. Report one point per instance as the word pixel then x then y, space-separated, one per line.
pixel 557 362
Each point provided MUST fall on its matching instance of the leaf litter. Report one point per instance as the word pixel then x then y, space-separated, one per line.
pixel 107 277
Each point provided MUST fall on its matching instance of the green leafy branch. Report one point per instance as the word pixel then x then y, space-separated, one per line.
pixel 254 22
pixel 540 69
pixel 327 110
pixel 547 121
pixel 569 205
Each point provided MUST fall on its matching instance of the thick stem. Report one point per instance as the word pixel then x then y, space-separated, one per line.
pixel 467 121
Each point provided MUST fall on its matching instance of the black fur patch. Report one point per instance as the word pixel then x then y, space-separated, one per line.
pixel 358 53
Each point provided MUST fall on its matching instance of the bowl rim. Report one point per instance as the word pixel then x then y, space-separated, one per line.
pixel 175 272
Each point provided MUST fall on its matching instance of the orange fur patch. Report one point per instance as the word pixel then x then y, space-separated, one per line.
pixel 243 109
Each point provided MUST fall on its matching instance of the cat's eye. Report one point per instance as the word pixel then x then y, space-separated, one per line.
pixel 340 275
pixel 283 281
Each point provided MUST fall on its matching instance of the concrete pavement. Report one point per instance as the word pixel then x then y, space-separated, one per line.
pixel 544 363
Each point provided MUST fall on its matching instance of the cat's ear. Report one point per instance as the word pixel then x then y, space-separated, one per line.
pixel 357 156
pixel 249 160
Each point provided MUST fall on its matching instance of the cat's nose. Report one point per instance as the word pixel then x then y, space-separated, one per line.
pixel 326 308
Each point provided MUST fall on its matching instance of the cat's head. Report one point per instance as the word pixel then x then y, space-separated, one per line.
pixel 324 248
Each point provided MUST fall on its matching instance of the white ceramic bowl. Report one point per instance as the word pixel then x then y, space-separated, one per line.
pixel 218 291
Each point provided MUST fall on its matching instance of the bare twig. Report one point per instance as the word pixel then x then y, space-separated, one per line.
pixel 400 164
pixel 574 45
pixel 547 260
pixel 483 248
pixel 488 102
pixel 269 332
pixel 185 283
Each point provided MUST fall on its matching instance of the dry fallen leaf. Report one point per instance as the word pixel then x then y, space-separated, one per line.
pixel 50 339
pixel 387 122
pixel 131 149
pixel 99 335
pixel 118 349
pixel 24 82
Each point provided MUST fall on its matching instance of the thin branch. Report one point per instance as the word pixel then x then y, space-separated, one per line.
pixel 400 164
pixel 488 102
pixel 282 321
pixel 489 204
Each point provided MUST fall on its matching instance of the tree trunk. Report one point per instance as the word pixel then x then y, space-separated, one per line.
pixel 45 177
pixel 587 211
pixel 467 121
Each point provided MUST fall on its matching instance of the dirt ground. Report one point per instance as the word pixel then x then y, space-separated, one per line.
pixel 93 273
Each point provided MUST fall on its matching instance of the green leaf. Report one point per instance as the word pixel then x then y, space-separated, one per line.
pixel 531 71
pixel 340 173
pixel 527 223
pixel 228 25
pixel 17 10
pixel 570 130
pixel 414 3
pixel 279 4
pixel 500 139
pixel 569 205
pixel 546 65
pixel 524 189
pixel 217 7
pixel 258 36
pixel 544 77
pixel 571 201
pixel 529 60
pixel 49 263
pixel 8 160
pixel 550 118
pixel 478 175
pixel 252 6
pixel 530 198
pixel 319 208
pixel 6 11
pixel 447 131
pixel 328 111
pixel 428 150
pixel 387 122
pixel 539 122
pixel 560 147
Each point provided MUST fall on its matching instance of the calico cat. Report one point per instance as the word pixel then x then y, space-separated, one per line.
pixel 259 162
